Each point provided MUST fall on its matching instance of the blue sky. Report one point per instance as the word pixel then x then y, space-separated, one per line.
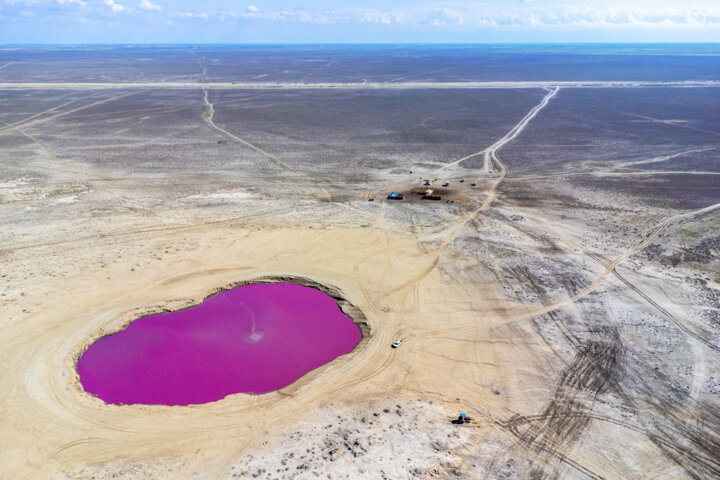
pixel 357 21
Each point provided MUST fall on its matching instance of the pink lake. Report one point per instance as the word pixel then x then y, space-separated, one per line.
pixel 251 339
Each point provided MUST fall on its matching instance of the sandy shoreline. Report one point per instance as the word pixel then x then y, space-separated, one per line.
pixel 355 314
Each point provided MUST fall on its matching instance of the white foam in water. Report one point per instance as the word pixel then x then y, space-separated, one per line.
pixel 254 336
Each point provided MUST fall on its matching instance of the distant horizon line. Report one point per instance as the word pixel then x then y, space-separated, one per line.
pixel 178 44
pixel 379 85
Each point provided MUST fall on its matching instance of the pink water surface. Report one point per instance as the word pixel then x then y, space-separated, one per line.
pixel 251 339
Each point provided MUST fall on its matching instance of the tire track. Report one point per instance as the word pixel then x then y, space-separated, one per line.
pixel 664 158
pixel 490 153
pixel 692 445
pixel 701 361
pixel 9 126
pixel 613 174
pixel 655 305
pixel 672 124
pixel 592 372
pixel 27 124
pixel 209 115
pixel 600 280
pixel 412 284
pixel 209 118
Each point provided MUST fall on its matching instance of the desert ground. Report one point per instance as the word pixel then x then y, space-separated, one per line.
pixel 568 301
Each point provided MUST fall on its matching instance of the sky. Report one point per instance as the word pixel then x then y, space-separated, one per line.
pixel 357 21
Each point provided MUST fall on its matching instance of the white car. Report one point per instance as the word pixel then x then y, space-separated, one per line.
pixel 397 344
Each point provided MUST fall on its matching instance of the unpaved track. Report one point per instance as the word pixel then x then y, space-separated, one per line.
pixel 673 124
pixel 351 85
pixel 676 321
pixel 24 121
pixel 491 153
pixel 663 158
pixel 27 123
pixel 600 280
pixel 209 118
pixel 639 173
pixel 698 343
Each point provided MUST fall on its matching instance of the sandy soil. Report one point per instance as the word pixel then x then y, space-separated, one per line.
pixel 563 326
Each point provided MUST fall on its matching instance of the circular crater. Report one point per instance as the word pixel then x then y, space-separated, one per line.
pixel 254 338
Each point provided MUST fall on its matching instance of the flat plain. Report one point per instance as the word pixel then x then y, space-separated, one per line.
pixel 564 292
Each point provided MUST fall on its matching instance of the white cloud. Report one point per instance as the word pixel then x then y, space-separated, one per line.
pixel 201 15
pixel 469 15
pixel 147 5
pixel 72 2
pixel 115 7
pixel 436 16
